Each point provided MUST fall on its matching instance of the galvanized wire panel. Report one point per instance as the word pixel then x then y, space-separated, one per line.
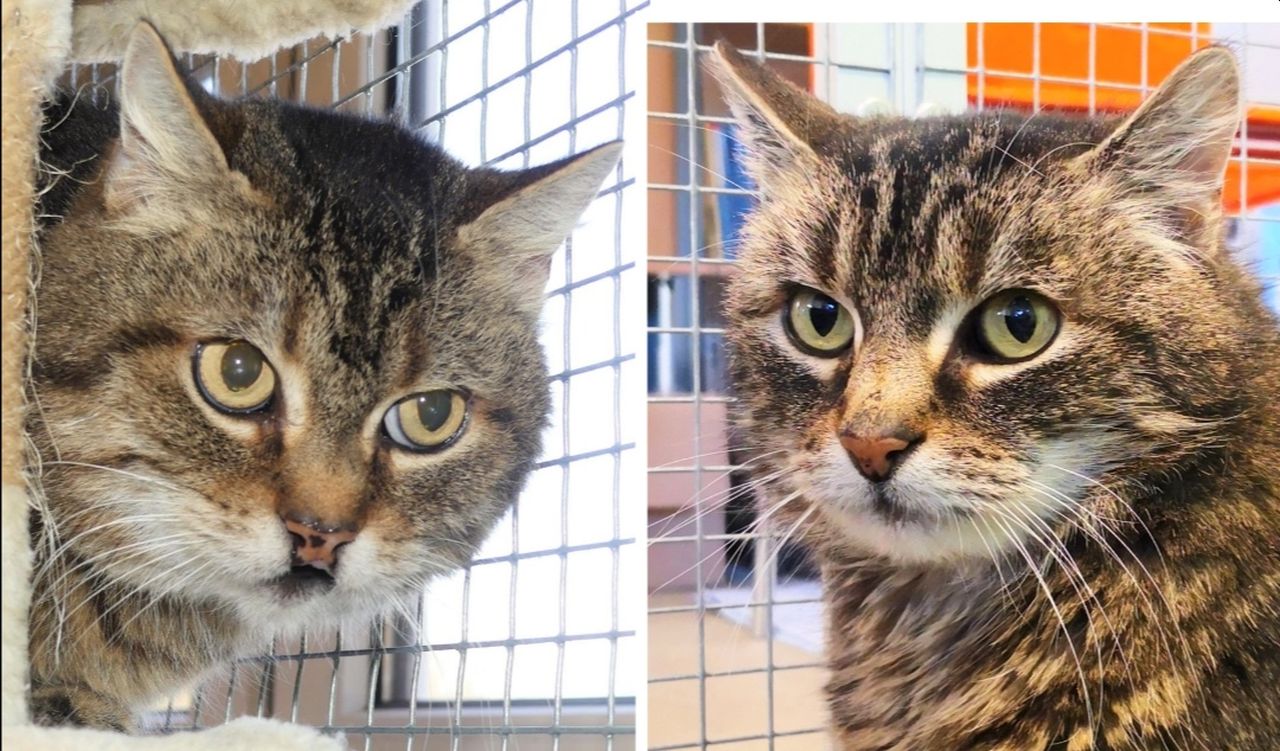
pixel 685 331
pixel 724 671
pixel 533 645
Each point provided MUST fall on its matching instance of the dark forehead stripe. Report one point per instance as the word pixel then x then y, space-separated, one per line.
pixel 905 179
pixel 368 224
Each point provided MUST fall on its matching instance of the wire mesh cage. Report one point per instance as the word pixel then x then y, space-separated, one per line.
pixel 533 645
pixel 735 635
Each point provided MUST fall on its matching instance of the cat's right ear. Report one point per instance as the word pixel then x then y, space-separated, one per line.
pixel 780 125
pixel 165 143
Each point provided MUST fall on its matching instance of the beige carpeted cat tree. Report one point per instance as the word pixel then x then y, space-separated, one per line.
pixel 40 37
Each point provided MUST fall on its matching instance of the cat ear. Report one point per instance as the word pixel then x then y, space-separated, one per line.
pixel 779 124
pixel 520 232
pixel 1179 140
pixel 164 140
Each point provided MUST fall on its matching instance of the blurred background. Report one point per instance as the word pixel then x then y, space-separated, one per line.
pixel 735 621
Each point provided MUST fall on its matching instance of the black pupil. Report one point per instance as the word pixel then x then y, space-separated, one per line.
pixel 241 366
pixel 434 409
pixel 823 314
pixel 1020 317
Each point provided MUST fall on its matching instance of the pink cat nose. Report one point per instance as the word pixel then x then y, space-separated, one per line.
pixel 877 457
pixel 316 544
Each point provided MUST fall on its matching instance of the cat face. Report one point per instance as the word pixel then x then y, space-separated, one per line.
pixel 287 361
pixel 949 333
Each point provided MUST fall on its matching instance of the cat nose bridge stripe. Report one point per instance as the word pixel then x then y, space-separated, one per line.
pixel 324 485
pixel 886 391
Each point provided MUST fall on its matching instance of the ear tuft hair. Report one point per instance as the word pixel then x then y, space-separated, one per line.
pixel 1178 142
pixel 164 140
pixel 780 124
pixel 522 230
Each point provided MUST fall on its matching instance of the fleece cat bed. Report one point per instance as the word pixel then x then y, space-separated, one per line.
pixel 40 37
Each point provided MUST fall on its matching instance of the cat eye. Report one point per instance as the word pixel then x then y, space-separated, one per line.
pixel 428 421
pixel 817 324
pixel 234 376
pixel 1015 325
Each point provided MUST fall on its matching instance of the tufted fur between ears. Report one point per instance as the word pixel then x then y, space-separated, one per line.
pixel 248 29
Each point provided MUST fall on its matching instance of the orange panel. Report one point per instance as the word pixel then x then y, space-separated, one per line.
pixel 1063 52
pixel 1263 180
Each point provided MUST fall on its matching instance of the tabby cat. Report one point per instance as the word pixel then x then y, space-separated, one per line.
pixel 1023 405
pixel 286 370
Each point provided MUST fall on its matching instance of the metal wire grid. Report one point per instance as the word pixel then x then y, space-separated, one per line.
pixel 906 68
pixel 693 119
pixel 368 685
pixel 1252 43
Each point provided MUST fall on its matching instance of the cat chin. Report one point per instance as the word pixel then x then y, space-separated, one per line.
pixel 913 541
pixel 264 614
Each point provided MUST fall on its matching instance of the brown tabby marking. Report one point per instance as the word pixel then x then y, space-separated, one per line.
pixel 366 266
pixel 1081 550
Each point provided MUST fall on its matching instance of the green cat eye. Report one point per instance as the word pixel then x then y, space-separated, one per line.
pixel 427 421
pixel 1016 325
pixel 234 376
pixel 819 325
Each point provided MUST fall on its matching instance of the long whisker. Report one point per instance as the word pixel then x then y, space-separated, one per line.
pixel 716 551
pixel 126 473
pixel 1102 542
pixel 1053 605
pixel 707 505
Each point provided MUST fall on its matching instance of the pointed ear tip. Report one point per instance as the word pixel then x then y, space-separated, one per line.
pixel 143 36
pixel 1217 62
pixel 602 158
pixel 611 152
pixel 1217 53
pixel 726 58
pixel 611 147
pixel 146 49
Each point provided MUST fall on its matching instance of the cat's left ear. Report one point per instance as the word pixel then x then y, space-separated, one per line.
pixel 519 233
pixel 1178 142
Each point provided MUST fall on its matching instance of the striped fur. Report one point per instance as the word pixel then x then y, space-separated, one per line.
pixel 367 265
pixel 1082 553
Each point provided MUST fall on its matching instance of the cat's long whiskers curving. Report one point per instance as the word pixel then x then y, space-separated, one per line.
pixel 161 593
pixel 1085 521
pixel 86 599
pixel 1090 523
pixel 56 555
pixel 140 547
pixel 117 470
pixel 1053 605
pixel 1124 504
pixel 716 551
pixel 1079 582
pixel 1088 520
pixel 706 505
